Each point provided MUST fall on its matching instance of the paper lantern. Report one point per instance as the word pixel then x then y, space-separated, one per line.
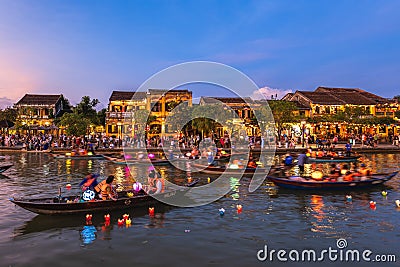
pixel 137 187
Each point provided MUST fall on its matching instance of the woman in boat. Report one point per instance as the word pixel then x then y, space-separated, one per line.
pixel 105 189
pixel 334 173
pixel 364 172
pixel 89 182
pixel 252 163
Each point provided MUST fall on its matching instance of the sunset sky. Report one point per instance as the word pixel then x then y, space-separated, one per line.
pixel 80 47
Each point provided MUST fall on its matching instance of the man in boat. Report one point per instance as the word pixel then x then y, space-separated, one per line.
pixel 301 160
pixel 89 182
pixel 105 189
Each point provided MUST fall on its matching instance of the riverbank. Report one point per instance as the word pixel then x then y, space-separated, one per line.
pixel 381 148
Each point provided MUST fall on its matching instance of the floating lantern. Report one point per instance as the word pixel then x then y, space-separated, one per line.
pixel 187 231
pixel 121 222
pixel 125 217
pixel 221 211
pixel 68 186
pixel 188 154
pixel 349 198
pixel 208 179
pixel 372 204
pixel 128 222
pixel 397 203
pixel 137 186
pixel 151 211
pixel 88 195
pixel 384 193
pixel 107 218
pixel 151 156
pixel 129 194
pixel 88 218
pixel 239 208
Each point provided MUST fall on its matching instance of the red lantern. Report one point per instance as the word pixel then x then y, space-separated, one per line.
pixel 151 211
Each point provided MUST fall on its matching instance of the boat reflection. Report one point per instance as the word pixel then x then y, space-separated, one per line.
pixel 41 223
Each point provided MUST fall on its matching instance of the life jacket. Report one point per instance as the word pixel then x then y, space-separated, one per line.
pixel 365 172
pixel 105 191
pixel 99 186
pixel 320 154
pixel 89 182
pixel 313 154
pixel 349 177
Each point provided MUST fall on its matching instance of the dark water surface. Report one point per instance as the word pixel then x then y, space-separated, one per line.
pixel 281 219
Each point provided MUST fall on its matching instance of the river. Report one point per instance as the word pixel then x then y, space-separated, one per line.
pixel 280 219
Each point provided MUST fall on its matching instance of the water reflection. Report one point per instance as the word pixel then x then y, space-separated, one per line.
pixel 88 234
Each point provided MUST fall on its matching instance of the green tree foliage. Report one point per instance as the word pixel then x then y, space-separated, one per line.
pixel 87 108
pixel 76 124
pixel 8 114
pixel 101 117
pixel 283 113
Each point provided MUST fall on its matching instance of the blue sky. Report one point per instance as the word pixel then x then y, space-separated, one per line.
pixel 94 47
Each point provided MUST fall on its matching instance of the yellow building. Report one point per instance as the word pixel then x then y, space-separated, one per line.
pixel 160 103
pixel 330 101
pixel 36 113
pixel 120 114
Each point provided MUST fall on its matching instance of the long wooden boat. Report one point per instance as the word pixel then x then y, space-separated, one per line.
pixel 72 205
pixel 5 167
pixel 68 156
pixel 334 159
pixel 297 182
pixel 208 169
pixel 154 161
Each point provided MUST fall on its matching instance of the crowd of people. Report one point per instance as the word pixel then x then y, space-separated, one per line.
pixel 47 141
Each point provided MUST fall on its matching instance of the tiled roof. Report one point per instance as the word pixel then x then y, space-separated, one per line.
pixel 322 98
pixel 126 95
pixel 38 100
pixel 342 96
pixel 354 96
pixel 227 100
pixel 163 91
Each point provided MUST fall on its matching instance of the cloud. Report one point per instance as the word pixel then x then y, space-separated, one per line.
pixel 266 93
pixel 6 102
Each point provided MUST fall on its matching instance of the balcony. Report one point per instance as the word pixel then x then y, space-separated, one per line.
pixel 119 115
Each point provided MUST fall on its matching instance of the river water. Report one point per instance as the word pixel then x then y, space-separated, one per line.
pixel 280 219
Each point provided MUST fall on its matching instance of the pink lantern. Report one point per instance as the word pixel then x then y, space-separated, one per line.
pixel 137 187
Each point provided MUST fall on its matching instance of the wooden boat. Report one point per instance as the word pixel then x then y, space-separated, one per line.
pixel 153 161
pixel 69 156
pixel 192 183
pixel 297 182
pixel 5 167
pixel 334 159
pixel 208 169
pixel 72 204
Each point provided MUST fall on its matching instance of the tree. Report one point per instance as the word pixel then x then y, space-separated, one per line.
pixel 76 124
pixel 101 117
pixel 283 112
pixel 87 108
pixel 8 114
